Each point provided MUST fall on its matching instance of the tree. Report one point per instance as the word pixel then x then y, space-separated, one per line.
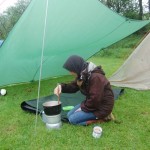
pixel 149 5
pixel 127 8
pixel 9 18
pixel 3 29
pixel 141 10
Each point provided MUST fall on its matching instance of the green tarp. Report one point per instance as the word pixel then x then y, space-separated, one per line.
pixel 80 27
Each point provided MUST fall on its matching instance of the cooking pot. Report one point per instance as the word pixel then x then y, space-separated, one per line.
pixel 52 108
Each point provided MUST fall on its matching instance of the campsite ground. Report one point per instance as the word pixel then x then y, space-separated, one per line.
pixel 132 112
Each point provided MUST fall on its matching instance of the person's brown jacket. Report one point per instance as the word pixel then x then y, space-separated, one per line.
pixel 99 95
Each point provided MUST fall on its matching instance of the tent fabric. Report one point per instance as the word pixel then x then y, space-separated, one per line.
pixel 135 72
pixel 81 27
pixel 66 100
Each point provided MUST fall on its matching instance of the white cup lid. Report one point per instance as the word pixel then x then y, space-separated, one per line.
pixel 97 129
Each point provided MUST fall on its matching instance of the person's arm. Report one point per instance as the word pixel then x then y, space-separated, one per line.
pixel 70 87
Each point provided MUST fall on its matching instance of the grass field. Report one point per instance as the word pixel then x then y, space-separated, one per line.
pixel 130 132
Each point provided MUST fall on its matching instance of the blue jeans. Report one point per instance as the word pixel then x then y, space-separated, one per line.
pixel 79 117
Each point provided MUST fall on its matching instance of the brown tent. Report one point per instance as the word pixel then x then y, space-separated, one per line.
pixel 135 72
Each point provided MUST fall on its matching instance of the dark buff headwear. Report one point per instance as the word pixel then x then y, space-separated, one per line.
pixel 75 64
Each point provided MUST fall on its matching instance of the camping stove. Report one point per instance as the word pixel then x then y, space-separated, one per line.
pixel 52 121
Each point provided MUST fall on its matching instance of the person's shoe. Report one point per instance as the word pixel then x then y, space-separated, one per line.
pixel 110 117
pixel 94 121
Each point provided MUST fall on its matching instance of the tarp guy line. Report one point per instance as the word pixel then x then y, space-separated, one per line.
pixel 43 45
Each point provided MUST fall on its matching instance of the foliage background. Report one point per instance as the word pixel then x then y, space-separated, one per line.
pixel 132 9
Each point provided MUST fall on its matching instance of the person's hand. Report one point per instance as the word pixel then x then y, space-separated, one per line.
pixel 57 90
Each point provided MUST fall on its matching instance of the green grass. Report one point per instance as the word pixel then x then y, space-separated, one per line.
pixel 131 131
pixel 123 48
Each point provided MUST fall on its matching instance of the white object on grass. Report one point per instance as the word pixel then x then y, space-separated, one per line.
pixel 97 132
pixel 3 92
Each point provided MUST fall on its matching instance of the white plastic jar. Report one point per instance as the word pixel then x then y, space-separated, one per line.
pixel 97 132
